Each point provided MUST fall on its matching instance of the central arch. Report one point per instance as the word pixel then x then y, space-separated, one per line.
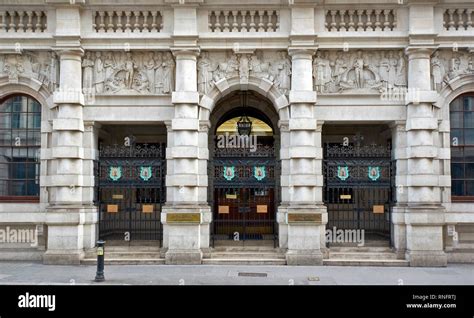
pixel 244 179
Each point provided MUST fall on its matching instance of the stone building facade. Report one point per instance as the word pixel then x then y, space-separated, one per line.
pixel 87 75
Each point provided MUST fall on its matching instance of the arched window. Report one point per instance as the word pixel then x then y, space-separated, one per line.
pixel 462 147
pixel 20 141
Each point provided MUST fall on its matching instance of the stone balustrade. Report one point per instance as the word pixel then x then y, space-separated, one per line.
pixel 127 21
pixel 244 20
pixel 458 19
pixel 23 21
pixel 361 20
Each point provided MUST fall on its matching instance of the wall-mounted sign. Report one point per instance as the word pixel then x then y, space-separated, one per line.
pixel 378 209
pixel 112 208
pixel 345 196
pixel 304 217
pixel 183 217
pixel 147 208
pixel 263 208
pixel 117 196
pixel 231 196
pixel 223 209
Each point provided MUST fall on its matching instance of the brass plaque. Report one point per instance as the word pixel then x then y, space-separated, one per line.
pixel 117 196
pixel 112 208
pixel 304 217
pixel 147 208
pixel 231 196
pixel 183 217
pixel 262 208
pixel 378 209
pixel 345 196
pixel 223 209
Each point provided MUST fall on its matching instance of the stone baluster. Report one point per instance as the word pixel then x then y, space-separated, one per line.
pixel 29 24
pixel 277 25
pixel 235 25
pixel 145 21
pixel 451 24
pixel 342 23
pixel 386 21
pixel 377 20
pixel 11 26
pixel 21 26
pixel 127 21
pixel 469 18
pixel 209 21
pixel 351 20
pixel 226 21
pixel 269 23
pixel 110 25
pixel 153 21
pixel 460 14
pixel 252 21
pixel 136 25
pixel 243 25
pixel 360 22
pixel 395 23
pixel 101 21
pixel 217 24
pixel 119 27
pixel 3 26
pixel 333 20
pixel 368 24
pixel 261 25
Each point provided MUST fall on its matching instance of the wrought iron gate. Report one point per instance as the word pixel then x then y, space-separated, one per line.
pixel 131 192
pixel 358 188
pixel 245 194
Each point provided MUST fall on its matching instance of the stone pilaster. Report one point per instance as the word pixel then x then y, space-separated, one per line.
pixel 186 211
pixel 70 178
pixel 302 174
pixel 424 215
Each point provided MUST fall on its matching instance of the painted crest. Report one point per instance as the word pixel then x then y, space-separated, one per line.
pixel 145 173
pixel 343 173
pixel 374 173
pixel 229 173
pixel 259 173
pixel 115 173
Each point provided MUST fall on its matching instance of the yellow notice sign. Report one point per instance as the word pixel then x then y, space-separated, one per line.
pixel 262 208
pixel 223 209
pixel 378 209
pixel 147 208
pixel 112 208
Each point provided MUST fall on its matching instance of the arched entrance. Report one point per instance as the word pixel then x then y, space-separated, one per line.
pixel 244 171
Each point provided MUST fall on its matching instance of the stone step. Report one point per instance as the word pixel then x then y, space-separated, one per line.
pixel 125 261
pixel 246 255
pixel 236 249
pixel 362 255
pixel 243 261
pixel 128 255
pixel 129 249
pixel 362 249
pixel 366 262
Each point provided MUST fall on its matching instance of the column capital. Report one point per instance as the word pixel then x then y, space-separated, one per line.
pixel 420 51
pixel 302 52
pixel 186 53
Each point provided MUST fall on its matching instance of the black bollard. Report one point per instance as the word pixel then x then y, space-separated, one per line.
pixel 99 275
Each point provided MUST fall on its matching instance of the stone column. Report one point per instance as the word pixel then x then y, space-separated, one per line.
pixel 70 213
pixel 305 213
pixel 186 214
pixel 424 213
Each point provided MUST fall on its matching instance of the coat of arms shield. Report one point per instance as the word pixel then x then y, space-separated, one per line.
pixel 343 172
pixel 115 173
pixel 374 173
pixel 145 173
pixel 229 173
pixel 259 172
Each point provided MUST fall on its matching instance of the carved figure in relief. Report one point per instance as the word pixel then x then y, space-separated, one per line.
pixel 168 73
pixel 205 69
pixel 321 72
pixel 150 71
pixel 87 73
pixel 401 79
pixel 283 77
pixel 437 71
pixel 99 73
pixel 129 70
pixel 244 67
pixel 359 70
pixel 340 67
pixel 158 73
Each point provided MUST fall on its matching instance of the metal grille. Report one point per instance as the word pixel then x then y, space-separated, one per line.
pixel 131 192
pixel 244 198
pixel 358 188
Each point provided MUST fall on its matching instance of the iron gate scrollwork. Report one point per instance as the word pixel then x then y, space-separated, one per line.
pixel 245 194
pixel 131 191
pixel 358 187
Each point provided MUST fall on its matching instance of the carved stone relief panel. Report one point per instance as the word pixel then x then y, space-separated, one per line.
pixel 41 66
pixel 128 73
pixel 448 64
pixel 274 66
pixel 359 71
